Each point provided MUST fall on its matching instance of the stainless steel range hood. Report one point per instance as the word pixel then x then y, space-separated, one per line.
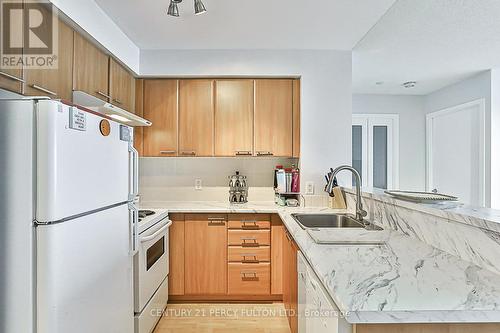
pixel 112 111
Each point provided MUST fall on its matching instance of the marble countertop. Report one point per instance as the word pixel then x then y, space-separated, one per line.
pixel 403 281
pixel 481 217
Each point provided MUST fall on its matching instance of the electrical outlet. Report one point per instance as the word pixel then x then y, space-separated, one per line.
pixel 198 185
pixel 310 188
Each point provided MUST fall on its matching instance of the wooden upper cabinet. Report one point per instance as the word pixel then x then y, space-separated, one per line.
pixel 160 107
pixel 273 117
pixel 296 118
pixel 11 77
pixel 234 117
pixel 205 254
pixel 121 84
pixel 54 83
pixel 196 118
pixel 139 110
pixel 91 69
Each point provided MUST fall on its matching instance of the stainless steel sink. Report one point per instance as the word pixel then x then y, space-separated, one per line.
pixel 340 221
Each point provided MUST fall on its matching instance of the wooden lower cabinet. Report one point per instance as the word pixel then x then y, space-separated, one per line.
pixel 290 281
pixel 205 260
pixel 249 278
pixel 217 257
pixel 277 234
pixel 176 258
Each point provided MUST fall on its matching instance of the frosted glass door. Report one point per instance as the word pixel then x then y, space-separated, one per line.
pixel 375 150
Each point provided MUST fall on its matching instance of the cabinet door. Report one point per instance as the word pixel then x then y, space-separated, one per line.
pixel 160 107
pixel 139 110
pixel 273 117
pixel 176 261
pixel 205 254
pixel 11 77
pixel 296 118
pixel 233 117
pixel 91 69
pixel 290 281
pixel 54 83
pixel 276 255
pixel 121 84
pixel 196 118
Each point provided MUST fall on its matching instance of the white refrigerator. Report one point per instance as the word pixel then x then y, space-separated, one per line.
pixel 68 228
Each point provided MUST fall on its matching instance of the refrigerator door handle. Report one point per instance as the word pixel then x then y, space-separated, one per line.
pixel 134 229
pixel 134 166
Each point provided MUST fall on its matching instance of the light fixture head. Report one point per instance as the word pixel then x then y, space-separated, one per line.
pixel 199 7
pixel 410 84
pixel 173 10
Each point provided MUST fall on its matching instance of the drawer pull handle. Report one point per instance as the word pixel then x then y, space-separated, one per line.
pixel 247 274
pixel 243 153
pixel 248 239
pixel 249 257
pixel 216 222
pixel 117 101
pixel 249 225
pixel 12 77
pixel 264 153
pixel 47 91
pixel 189 153
pixel 103 94
pixel 166 152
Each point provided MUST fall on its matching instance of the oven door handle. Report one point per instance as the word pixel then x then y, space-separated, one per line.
pixel 160 231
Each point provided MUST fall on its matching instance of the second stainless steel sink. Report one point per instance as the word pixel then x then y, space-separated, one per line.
pixel 341 221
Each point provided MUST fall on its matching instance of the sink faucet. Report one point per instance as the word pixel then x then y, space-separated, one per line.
pixel 360 212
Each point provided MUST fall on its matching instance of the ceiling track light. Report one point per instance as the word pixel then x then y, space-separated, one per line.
pixel 173 9
pixel 199 7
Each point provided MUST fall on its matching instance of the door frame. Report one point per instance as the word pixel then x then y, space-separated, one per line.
pixel 367 121
pixel 481 103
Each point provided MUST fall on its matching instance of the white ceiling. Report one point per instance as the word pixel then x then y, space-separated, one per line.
pixel 247 24
pixel 433 42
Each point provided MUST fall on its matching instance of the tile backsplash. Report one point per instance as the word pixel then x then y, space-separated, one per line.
pixel 166 179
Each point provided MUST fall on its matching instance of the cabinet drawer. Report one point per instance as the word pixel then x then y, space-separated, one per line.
pixel 246 255
pixel 249 279
pixel 249 221
pixel 249 238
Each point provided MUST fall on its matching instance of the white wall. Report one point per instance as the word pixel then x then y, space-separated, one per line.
pixel 91 18
pixel 411 132
pixel 474 88
pixel 325 95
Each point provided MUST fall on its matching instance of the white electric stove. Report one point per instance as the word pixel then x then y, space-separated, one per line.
pixel 151 269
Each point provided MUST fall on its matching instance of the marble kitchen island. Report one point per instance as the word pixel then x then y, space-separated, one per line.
pixel 406 280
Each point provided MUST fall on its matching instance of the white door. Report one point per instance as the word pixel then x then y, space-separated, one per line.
pixel 375 149
pixel 84 275
pixel 455 152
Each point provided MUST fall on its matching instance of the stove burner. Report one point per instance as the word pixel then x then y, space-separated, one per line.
pixel 145 213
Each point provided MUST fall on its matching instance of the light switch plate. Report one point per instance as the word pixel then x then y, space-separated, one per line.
pixel 309 188
pixel 198 185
